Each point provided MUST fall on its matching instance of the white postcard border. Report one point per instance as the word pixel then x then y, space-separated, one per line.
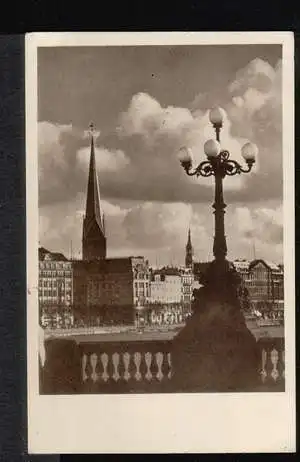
pixel 177 423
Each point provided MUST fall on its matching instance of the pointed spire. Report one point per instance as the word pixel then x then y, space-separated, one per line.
pixel 189 251
pixel 93 195
pixel 93 241
pixel 189 242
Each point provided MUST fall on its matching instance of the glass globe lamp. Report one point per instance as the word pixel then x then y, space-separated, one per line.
pixel 216 116
pixel 185 157
pixel 249 152
pixel 212 149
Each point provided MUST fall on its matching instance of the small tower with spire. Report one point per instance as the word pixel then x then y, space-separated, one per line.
pixel 189 251
pixel 93 236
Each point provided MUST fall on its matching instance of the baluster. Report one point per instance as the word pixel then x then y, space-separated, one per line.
pixel 269 367
pixel 170 365
pixel 104 361
pixel 148 360
pixel 143 365
pixel 165 366
pixel 121 367
pixel 274 356
pixel 263 371
pixel 88 369
pixel 94 361
pixel 126 361
pixel 137 361
pixel 84 362
pixel 115 361
pixel 159 360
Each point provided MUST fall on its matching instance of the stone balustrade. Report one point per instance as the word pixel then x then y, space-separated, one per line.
pixel 126 367
pixel 136 367
pixel 272 367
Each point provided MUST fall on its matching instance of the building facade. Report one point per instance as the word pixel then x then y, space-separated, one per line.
pixel 166 286
pixel 187 284
pixel 106 291
pixel 141 281
pixel 171 291
pixel 55 288
pixel 266 285
pixel 264 282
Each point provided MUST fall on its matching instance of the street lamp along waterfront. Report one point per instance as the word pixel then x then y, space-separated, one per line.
pixel 218 164
pixel 215 351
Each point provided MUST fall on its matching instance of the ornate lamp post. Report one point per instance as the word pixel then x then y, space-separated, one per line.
pixel 219 165
pixel 225 355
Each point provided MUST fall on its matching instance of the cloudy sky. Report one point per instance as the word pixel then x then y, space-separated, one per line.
pixel 146 103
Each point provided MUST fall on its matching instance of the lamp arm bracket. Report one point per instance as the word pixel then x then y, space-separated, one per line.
pixel 232 167
pixel 205 169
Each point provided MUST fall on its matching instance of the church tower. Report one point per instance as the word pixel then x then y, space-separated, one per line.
pixel 189 252
pixel 93 236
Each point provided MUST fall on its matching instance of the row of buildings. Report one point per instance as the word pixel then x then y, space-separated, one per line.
pixel 261 283
pixel 101 290
pixel 110 288
pixel 114 290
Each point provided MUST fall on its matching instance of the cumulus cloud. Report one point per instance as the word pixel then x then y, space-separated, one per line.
pixel 140 158
pixel 147 118
pixel 258 74
pixel 63 160
pixel 262 224
pixel 106 160
pixel 256 89
pixel 255 110
pixel 166 129
pixel 143 228
pixel 146 192
pixel 51 148
pixel 159 231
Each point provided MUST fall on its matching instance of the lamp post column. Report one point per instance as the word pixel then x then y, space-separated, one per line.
pixel 216 308
pixel 219 246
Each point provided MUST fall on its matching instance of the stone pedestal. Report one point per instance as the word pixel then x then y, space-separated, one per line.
pixel 61 373
pixel 215 351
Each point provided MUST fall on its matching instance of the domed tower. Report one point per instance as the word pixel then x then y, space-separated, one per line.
pixel 93 236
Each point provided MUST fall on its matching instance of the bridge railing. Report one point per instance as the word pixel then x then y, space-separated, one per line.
pixel 135 367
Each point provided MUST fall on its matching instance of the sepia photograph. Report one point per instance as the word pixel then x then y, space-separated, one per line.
pixel 160 222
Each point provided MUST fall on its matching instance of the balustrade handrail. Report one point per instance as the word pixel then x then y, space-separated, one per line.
pixel 134 366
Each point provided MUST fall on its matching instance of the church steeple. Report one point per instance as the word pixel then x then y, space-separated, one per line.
pixel 189 251
pixel 93 240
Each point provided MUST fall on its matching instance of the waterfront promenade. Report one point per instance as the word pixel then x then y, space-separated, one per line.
pixel 149 333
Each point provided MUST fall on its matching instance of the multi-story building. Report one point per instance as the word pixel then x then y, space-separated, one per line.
pixel 266 285
pixel 106 291
pixel 141 281
pixel 242 267
pixel 170 297
pixel 264 282
pixel 55 286
pixel 166 286
pixel 187 285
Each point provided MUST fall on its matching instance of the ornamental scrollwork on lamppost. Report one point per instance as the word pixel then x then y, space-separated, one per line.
pixel 218 164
